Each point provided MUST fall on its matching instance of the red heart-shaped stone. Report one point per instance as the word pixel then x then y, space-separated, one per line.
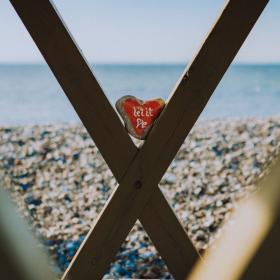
pixel 139 115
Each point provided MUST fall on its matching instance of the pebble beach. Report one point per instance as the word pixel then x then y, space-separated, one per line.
pixel 60 182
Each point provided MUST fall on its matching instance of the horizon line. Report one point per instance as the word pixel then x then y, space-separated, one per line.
pixel 112 63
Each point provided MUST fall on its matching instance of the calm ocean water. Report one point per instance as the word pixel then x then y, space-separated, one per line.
pixel 30 94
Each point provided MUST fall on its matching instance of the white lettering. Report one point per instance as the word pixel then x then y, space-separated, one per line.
pixel 140 123
pixel 139 111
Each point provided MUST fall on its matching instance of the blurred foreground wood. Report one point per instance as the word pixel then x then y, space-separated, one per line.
pixel 20 258
pixel 248 249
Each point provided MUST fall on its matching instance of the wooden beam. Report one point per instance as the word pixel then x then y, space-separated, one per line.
pixel 171 240
pixel 197 84
pixel 167 135
pixel 251 245
pixel 74 75
pixel 264 264
pixel 83 91
pixel 20 257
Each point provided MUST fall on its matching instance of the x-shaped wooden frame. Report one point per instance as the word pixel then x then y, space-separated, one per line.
pixel 137 171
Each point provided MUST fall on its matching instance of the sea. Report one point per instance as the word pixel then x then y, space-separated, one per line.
pixel 30 94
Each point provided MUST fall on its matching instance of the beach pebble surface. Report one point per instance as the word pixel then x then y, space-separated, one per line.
pixel 60 182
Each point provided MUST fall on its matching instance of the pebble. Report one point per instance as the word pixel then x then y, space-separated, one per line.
pixel 60 183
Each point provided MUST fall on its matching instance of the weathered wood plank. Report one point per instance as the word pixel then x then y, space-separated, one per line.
pixel 84 93
pixel 171 240
pixel 76 79
pixel 252 244
pixel 165 139
pixel 198 82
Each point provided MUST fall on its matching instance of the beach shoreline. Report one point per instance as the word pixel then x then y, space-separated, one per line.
pixel 60 182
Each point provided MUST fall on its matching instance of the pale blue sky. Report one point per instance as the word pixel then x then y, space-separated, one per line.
pixel 130 31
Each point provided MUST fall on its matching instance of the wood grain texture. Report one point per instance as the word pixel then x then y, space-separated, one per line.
pixel 83 91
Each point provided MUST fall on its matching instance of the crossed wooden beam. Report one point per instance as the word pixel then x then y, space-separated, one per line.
pixel 138 171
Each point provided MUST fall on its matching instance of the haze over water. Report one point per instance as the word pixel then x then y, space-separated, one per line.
pixel 31 95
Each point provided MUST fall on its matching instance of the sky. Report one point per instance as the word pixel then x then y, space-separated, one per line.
pixel 146 31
